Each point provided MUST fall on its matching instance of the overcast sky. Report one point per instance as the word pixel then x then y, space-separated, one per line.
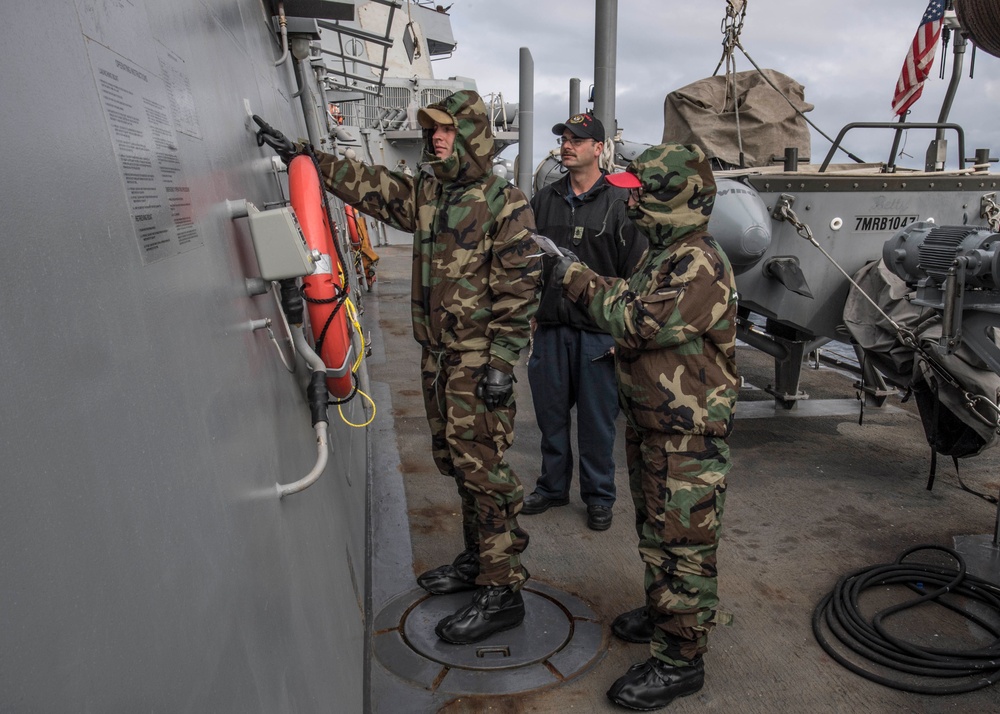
pixel 848 55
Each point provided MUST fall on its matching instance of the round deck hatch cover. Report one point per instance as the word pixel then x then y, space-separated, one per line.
pixel 559 638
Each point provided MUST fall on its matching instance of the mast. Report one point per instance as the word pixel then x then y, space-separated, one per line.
pixel 605 55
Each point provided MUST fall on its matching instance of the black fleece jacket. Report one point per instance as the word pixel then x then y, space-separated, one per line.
pixel 596 228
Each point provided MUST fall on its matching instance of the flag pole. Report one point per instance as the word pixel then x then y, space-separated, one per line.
pixel 916 67
pixel 891 167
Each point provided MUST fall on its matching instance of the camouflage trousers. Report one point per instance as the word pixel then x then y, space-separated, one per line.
pixel 468 444
pixel 679 498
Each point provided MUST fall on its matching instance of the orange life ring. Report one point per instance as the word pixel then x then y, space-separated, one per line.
pixel 323 289
pixel 363 238
pixel 352 226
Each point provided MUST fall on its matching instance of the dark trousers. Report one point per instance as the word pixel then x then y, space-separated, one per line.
pixel 563 374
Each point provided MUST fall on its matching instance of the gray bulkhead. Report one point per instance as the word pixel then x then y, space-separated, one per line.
pixel 147 563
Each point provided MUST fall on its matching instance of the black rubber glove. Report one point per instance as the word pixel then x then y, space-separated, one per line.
pixel 495 388
pixel 281 144
pixel 561 266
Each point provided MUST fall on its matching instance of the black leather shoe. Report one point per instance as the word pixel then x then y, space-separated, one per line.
pixel 537 503
pixel 454 578
pixel 654 684
pixel 598 518
pixel 634 626
pixel 493 609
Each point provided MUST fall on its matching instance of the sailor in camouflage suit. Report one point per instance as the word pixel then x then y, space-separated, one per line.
pixel 674 324
pixel 475 285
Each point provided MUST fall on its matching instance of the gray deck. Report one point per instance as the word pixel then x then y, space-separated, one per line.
pixel 809 500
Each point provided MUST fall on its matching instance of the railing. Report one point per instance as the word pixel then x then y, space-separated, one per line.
pixel 389 109
pixel 898 127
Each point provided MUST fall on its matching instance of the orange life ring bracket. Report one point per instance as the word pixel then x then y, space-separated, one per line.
pixel 324 290
pixel 364 256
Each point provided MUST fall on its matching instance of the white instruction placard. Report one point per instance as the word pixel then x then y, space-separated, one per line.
pixel 137 107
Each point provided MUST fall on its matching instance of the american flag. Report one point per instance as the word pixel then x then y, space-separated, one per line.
pixel 919 59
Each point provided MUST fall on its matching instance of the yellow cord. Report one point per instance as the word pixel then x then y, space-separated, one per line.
pixel 352 315
pixel 358 426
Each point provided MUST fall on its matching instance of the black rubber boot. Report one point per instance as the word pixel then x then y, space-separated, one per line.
pixel 457 577
pixel 654 684
pixel 634 626
pixel 493 609
pixel 535 503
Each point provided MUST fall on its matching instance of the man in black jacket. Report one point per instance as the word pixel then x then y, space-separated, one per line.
pixel 572 360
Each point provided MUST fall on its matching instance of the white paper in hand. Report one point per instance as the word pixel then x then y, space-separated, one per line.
pixel 547 246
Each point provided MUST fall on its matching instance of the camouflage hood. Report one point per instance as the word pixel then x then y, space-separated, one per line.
pixel 472 159
pixel 679 192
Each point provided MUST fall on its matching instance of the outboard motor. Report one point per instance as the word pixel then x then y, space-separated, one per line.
pixel 956 270
pixel 942 340
pixel 925 255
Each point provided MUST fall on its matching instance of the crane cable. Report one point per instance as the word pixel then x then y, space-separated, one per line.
pixel 732 26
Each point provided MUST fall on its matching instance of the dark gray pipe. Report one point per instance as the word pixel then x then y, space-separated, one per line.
pixel 958 50
pixel 574 96
pixel 525 121
pixel 937 150
pixel 761 342
pixel 310 94
pixel 605 54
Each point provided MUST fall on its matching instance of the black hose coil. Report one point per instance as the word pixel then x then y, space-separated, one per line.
pixel 904 665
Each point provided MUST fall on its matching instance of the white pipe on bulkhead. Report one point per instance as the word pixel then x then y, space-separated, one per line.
pixel 321 427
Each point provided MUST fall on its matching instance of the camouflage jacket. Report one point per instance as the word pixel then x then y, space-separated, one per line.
pixel 674 320
pixel 475 284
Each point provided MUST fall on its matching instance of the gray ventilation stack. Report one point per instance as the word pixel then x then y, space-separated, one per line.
pixel 605 54
pixel 526 121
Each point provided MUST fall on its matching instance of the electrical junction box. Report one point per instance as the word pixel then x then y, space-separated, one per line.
pixel 298 26
pixel 281 248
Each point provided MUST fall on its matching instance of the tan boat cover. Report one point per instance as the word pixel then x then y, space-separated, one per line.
pixel 702 114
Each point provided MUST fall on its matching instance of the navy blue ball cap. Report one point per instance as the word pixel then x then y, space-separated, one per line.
pixel 585 126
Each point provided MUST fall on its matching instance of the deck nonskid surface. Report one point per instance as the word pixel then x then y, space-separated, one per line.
pixel 809 500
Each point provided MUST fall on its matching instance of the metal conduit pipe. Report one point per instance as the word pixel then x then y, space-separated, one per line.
pixel 300 51
pixel 323 456
pixel 958 50
pixel 283 25
pixel 574 96
pixel 310 96
pixel 309 479
pixel 315 362
pixel 321 426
